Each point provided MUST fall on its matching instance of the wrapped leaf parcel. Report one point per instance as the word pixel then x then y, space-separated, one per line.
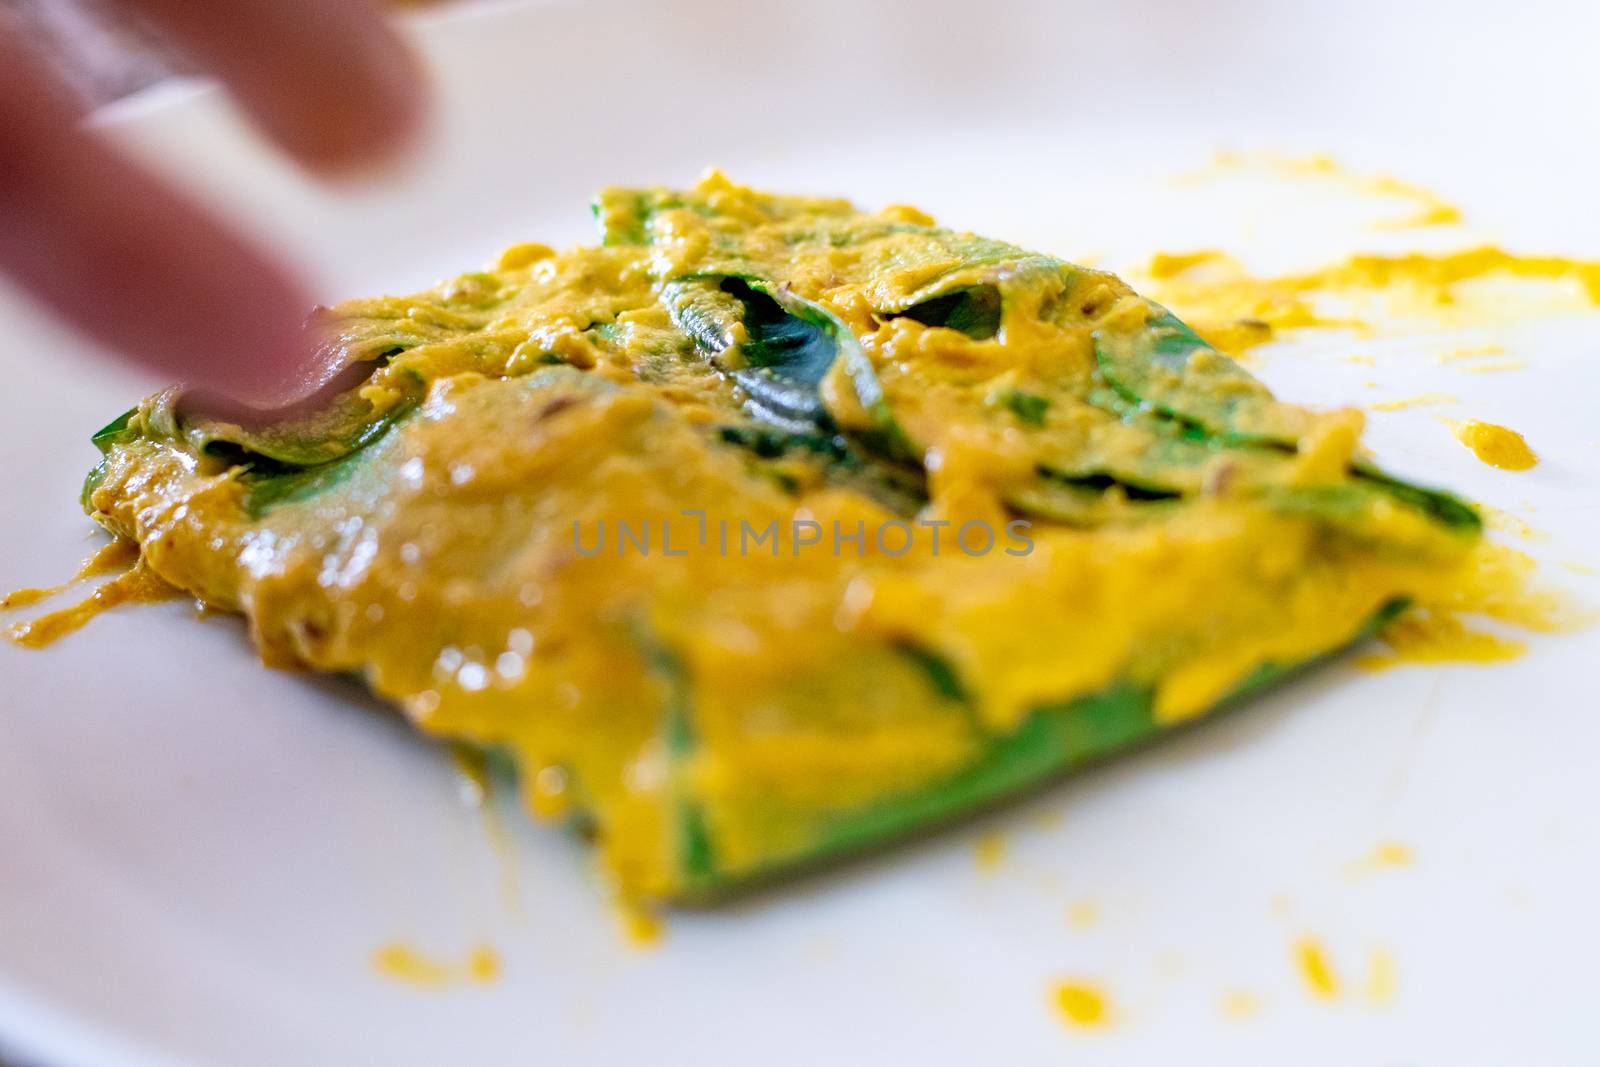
pixel 769 529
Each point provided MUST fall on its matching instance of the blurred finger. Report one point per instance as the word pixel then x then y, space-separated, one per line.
pixel 329 80
pixel 132 263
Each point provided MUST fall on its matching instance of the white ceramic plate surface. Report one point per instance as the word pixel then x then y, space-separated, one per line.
pixel 198 855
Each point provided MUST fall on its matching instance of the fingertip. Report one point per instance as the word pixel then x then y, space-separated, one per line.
pixel 332 82
pixel 367 115
pixel 138 267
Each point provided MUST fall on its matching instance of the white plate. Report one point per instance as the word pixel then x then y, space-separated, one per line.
pixel 198 855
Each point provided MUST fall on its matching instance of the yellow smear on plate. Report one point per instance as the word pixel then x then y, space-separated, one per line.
pixel 1239 1004
pixel 1496 367
pixel 1434 215
pixel 1456 355
pixel 1426 637
pixel 1497 586
pixel 1426 208
pixel 1315 969
pixel 1436 275
pixel 1505 522
pixel 114 556
pixel 1164 265
pixel 1415 402
pixel 1496 445
pixel 1381 980
pixel 1500 585
pixel 1481 359
pixel 1235 310
pixel 1081 1003
pixel 402 962
pixel 139 585
pixel 21 598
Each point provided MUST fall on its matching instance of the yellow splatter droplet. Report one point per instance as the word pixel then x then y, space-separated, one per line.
pixel 401 962
pixel 1392 854
pixel 1380 976
pixel 1082 914
pixel 484 964
pixel 1496 445
pixel 1384 854
pixel 405 964
pixel 990 850
pixel 1239 1004
pixel 1081 1003
pixel 1415 402
pixel 643 928
pixel 1315 969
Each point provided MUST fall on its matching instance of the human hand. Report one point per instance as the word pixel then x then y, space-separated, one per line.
pixel 143 270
